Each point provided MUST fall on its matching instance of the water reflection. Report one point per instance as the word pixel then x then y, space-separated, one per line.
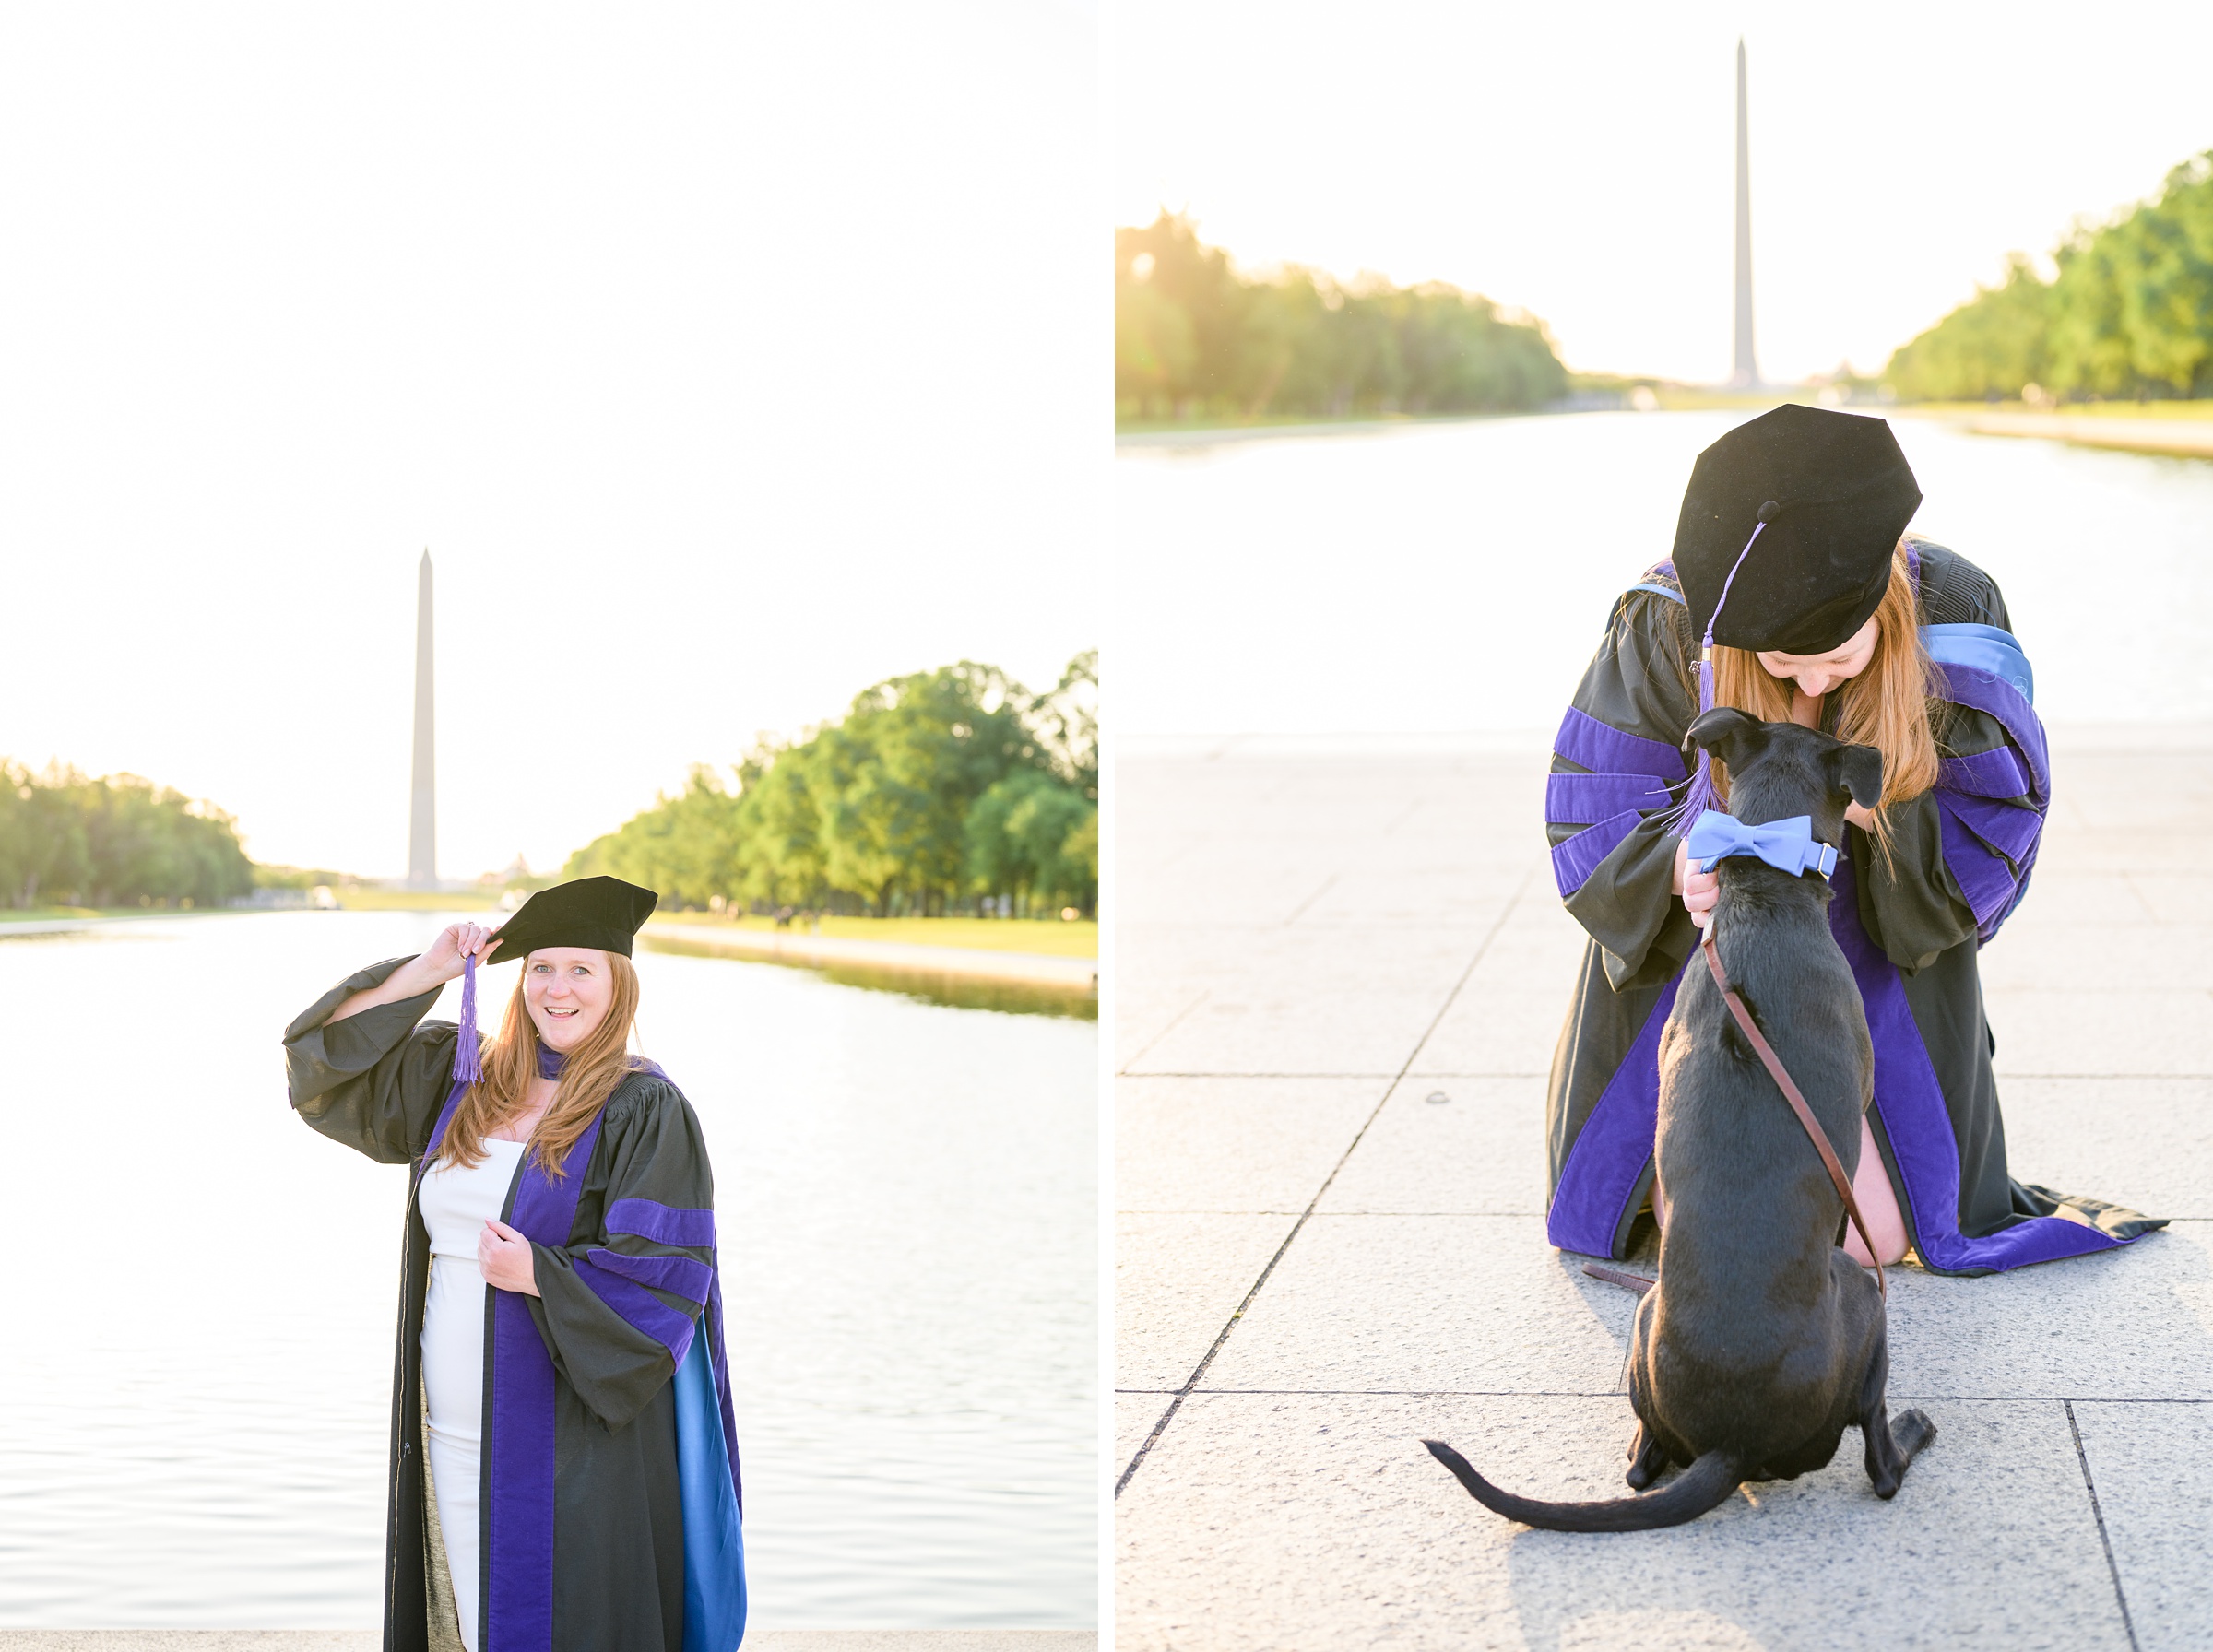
pixel 926 986
pixel 198 1373
pixel 1455 577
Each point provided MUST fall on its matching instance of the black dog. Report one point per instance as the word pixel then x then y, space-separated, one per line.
pixel 1762 1341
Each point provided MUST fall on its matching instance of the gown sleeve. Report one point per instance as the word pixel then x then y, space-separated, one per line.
pixel 1618 752
pixel 375 1080
pixel 618 1312
pixel 1961 852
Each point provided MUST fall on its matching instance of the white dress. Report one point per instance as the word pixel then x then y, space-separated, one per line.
pixel 455 1203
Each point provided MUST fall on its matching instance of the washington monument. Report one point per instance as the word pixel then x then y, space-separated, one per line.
pixel 1745 371
pixel 422 812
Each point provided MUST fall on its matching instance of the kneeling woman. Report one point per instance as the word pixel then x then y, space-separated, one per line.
pixel 560 1345
pixel 1791 573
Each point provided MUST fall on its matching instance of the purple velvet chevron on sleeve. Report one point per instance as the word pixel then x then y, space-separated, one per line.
pixel 1574 860
pixel 1990 840
pixel 638 1306
pixel 679 1276
pixel 664 1224
pixel 2009 829
pixel 1988 692
pixel 1983 874
pixel 1586 742
pixel 1628 777
pixel 1584 800
pixel 1997 773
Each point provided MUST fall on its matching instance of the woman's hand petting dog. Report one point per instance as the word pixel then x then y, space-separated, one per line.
pixel 1698 890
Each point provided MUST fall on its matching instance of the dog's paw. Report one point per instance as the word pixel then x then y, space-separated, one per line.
pixel 1912 1430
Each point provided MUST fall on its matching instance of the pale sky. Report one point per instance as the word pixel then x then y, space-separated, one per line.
pixel 1577 160
pixel 728 359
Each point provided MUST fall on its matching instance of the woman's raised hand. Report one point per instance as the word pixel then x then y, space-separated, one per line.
pixel 454 945
pixel 425 972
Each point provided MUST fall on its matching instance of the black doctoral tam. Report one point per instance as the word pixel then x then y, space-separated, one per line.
pixel 1836 493
pixel 605 913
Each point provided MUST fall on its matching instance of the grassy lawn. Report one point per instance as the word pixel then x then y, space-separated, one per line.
pixel 1272 421
pixel 1704 398
pixel 349 900
pixel 43 913
pixel 1048 935
pixel 1677 398
pixel 362 899
pixel 2200 410
pixel 1671 397
pixel 29 914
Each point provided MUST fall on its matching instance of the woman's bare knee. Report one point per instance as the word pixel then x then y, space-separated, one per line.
pixel 1878 1204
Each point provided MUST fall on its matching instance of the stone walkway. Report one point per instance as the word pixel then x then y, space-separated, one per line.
pixel 1340 979
pixel 368 1640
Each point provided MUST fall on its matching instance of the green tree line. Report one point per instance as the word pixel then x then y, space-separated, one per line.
pixel 1192 339
pixel 66 840
pixel 934 792
pixel 2128 314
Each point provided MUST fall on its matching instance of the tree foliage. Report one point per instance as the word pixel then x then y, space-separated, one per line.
pixel 66 840
pixel 1191 336
pixel 2128 313
pixel 933 790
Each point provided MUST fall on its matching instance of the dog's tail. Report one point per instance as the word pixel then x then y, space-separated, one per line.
pixel 1705 1485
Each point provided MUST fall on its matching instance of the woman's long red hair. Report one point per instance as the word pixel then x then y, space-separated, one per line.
pixel 1886 706
pixel 594 1068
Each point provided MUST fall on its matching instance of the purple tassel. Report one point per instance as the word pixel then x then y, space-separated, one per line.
pixel 1701 796
pixel 468 1063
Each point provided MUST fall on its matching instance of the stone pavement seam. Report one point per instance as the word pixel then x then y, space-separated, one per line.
pixel 1394 1078
pixel 1338 1215
pixel 1180 1016
pixel 1145 1447
pixel 2007 1072
pixel 1533 1072
pixel 1299 910
pixel 2104 1538
pixel 1617 1393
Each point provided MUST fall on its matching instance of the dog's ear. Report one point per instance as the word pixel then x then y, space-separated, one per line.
pixel 1728 734
pixel 1857 771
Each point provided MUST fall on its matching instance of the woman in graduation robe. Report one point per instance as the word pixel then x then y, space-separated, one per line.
pixel 1790 568
pixel 581 1495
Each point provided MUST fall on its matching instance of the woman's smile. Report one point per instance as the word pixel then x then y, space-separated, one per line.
pixel 567 990
pixel 1816 674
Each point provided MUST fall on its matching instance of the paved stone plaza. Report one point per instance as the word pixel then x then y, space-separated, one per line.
pixel 370 1640
pixel 1320 1262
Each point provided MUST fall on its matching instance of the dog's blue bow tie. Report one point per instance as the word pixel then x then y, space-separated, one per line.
pixel 1787 846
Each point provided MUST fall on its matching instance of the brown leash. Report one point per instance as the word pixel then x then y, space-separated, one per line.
pixel 1614 1276
pixel 1773 1063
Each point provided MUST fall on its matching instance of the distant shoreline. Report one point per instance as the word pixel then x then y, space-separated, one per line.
pixel 1676 398
pixel 1049 937
pixel 806 948
pixel 2174 429
pixel 2181 428
pixel 61 920
pixel 1065 954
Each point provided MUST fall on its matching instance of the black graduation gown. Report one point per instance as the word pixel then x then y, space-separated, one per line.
pixel 584 1492
pixel 1962 857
